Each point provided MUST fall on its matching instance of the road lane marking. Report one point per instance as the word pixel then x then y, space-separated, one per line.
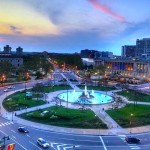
pixel 35 145
pixel 76 140
pixel 103 143
pixel 13 131
pixel 14 140
pixel 14 137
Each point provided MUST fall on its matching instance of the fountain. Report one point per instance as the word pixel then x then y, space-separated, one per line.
pixel 85 96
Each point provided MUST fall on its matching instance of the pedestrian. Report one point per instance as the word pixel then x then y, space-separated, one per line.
pixel 74 147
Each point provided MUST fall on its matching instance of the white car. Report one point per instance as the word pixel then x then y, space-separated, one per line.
pixel 10 87
pixel 42 143
pixel 6 90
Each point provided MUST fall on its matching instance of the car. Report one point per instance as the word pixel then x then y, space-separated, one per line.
pixel 132 140
pixel 23 130
pixel 41 142
pixel 5 90
pixel 10 87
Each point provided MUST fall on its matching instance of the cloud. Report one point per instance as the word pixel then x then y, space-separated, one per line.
pixel 15 29
pixel 104 8
pixel 2 39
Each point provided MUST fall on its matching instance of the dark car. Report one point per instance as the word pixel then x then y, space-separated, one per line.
pixel 132 140
pixel 23 129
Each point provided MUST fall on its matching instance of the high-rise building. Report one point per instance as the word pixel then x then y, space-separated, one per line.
pixel 88 53
pixel 143 47
pixel 128 51
pixel 7 49
pixel 103 54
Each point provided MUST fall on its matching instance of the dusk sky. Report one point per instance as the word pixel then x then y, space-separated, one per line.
pixel 68 26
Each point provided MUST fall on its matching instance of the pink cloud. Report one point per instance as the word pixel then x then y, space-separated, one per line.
pixel 2 39
pixel 99 6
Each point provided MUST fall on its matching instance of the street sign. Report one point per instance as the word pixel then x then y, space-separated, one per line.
pixel 11 146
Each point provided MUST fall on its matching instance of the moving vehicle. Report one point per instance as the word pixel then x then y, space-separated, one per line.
pixel 132 140
pixel 23 130
pixel 41 142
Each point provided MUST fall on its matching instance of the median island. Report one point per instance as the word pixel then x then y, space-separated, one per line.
pixel 65 117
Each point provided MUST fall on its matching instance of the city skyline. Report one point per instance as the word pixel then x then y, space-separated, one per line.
pixel 69 26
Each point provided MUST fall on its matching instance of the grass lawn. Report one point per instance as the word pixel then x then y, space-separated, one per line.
pixel 60 116
pixel 141 115
pixel 99 88
pixel 48 89
pixel 133 95
pixel 17 101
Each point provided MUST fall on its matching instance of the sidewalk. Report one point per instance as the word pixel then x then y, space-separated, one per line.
pixel 113 129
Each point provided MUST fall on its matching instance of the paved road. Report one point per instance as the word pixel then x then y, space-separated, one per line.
pixel 65 141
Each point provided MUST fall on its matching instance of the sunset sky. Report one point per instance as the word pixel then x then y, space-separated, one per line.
pixel 68 26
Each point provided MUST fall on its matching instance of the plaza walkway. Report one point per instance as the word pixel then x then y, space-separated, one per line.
pixel 99 110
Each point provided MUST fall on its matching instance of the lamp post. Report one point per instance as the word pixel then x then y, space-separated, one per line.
pixel 4 140
pixel 131 115
pixel 12 116
pixel 26 78
pixel 25 89
pixel 67 95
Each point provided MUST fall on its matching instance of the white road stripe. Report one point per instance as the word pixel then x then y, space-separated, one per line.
pixel 6 123
pixel 14 137
pixel 60 145
pixel 14 140
pixel 13 131
pixel 103 143
pixel 135 147
pixel 35 145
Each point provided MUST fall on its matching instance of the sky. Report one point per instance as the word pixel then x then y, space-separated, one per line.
pixel 68 26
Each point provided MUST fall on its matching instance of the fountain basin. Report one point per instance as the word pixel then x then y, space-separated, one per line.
pixel 75 97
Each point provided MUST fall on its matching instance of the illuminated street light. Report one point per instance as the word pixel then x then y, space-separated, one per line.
pixel 26 78
pixel 131 115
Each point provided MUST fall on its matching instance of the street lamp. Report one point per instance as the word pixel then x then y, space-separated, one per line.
pixel 131 115
pixel 26 78
pixel 67 95
pixel 12 115
pixel 4 140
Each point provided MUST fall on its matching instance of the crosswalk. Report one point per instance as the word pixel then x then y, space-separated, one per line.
pixel 132 146
pixel 61 146
pixel 6 123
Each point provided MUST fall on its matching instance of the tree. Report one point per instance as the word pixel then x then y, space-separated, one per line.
pixel 38 89
pixel 6 69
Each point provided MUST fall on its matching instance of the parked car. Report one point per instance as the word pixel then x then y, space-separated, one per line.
pixel 23 130
pixel 10 87
pixel 132 140
pixel 41 142
pixel 5 90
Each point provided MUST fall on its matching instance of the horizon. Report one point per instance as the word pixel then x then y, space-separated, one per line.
pixel 68 27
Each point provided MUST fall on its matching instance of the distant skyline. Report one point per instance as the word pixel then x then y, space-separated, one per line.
pixel 68 26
